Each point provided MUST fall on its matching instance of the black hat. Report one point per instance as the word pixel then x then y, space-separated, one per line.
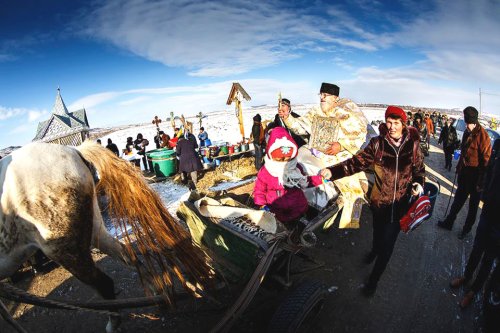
pixel 329 88
pixel 470 115
pixel 285 101
pixel 417 116
pixel 257 117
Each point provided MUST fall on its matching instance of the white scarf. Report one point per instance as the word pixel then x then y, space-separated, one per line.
pixel 288 173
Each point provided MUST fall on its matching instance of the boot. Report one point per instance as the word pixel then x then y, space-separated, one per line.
pixel 445 224
pixel 369 257
pixel 455 283
pixel 467 300
pixel 369 289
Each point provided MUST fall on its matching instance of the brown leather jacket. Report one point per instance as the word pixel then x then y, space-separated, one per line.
pixel 475 152
pixel 396 169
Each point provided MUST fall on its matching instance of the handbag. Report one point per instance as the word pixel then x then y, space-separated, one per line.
pixel 418 212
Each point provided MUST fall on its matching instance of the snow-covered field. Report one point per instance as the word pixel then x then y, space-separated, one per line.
pixel 221 126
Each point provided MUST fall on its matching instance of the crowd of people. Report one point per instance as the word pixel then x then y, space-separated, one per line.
pixel 396 156
pixel 291 169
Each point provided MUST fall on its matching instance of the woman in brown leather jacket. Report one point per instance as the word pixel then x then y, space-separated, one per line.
pixel 399 174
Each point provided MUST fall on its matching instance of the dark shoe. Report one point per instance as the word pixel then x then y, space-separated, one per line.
pixel 191 185
pixel 455 283
pixel 467 300
pixel 369 289
pixel 369 257
pixel 445 225
pixel 463 234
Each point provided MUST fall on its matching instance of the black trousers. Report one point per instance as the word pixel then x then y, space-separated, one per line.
pixel 448 156
pixel 385 234
pixel 485 249
pixel 467 186
pixel 258 155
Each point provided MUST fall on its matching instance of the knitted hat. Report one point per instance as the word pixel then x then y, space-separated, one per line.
pixel 394 111
pixel 281 144
pixel 330 88
pixel 470 115
pixel 257 117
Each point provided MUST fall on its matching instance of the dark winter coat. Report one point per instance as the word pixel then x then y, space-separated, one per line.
pixel 113 148
pixel 395 168
pixel 491 192
pixel 189 160
pixel 279 123
pixel 448 137
pixel 256 130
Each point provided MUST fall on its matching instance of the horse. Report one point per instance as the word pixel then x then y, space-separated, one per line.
pixel 49 201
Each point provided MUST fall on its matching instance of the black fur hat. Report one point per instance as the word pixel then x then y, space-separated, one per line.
pixel 330 88
pixel 470 115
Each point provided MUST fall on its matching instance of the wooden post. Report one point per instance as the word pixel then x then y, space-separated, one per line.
pixel 236 96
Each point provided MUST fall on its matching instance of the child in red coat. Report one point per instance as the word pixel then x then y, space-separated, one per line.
pixel 280 181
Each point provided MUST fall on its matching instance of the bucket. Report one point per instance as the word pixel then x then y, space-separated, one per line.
pixel 456 154
pixel 236 148
pixel 244 147
pixel 224 149
pixel 230 149
pixel 159 150
pixel 208 142
pixel 164 163
pixel 432 190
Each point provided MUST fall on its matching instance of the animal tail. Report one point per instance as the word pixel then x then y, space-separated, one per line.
pixel 165 246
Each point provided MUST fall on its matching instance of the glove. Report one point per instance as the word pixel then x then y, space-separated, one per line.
pixel 417 190
pixel 266 208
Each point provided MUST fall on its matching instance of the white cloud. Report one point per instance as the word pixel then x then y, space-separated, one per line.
pixel 189 100
pixel 135 100
pixel 11 113
pixel 35 115
pixel 6 113
pixel 217 38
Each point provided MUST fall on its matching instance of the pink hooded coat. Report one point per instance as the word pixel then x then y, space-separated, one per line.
pixel 287 203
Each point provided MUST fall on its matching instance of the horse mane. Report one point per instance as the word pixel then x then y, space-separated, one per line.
pixel 165 246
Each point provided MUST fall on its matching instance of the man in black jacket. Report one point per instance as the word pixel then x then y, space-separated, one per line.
pixel 285 111
pixel 111 146
pixel 449 139
pixel 487 241
pixel 258 140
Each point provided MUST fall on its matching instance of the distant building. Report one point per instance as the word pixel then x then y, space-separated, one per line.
pixel 63 127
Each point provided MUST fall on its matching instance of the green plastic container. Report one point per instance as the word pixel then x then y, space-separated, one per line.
pixel 159 150
pixel 164 163
pixel 224 149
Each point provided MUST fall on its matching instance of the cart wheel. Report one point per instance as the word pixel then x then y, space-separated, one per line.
pixel 299 308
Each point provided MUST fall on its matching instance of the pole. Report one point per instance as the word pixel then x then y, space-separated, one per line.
pixel 480 104
pixel 240 120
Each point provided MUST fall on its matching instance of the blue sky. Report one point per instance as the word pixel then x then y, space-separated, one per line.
pixel 126 61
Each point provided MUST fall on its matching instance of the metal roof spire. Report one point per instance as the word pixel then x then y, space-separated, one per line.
pixel 59 106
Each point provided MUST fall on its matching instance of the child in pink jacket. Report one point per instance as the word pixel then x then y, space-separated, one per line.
pixel 280 181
